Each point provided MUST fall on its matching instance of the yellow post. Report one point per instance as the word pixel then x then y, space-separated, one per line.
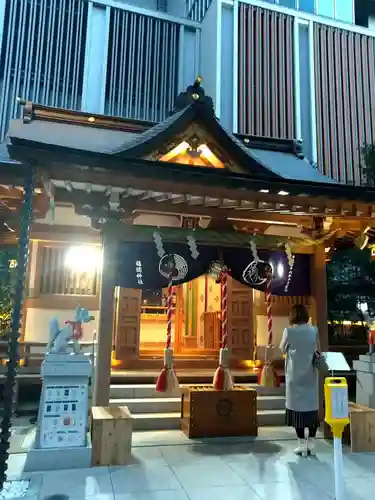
pixel 337 417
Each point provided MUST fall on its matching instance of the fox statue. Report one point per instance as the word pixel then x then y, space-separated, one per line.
pixel 59 339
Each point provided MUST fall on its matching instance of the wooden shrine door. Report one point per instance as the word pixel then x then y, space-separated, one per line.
pixel 240 320
pixel 127 323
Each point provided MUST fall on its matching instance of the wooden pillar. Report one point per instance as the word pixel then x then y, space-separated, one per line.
pixel 320 313
pixel 319 294
pixel 106 314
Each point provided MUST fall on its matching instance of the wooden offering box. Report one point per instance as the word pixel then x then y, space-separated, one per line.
pixel 209 413
pixel 111 435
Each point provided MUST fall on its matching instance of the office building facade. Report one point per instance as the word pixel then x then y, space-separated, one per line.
pixel 283 68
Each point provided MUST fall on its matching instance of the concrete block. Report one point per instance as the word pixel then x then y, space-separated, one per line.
pixel 365 389
pixel 364 366
pixel 39 459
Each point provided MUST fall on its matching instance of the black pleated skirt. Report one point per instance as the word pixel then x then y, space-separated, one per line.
pixel 302 419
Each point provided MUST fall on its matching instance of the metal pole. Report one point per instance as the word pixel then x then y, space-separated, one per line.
pixel 13 345
pixel 338 468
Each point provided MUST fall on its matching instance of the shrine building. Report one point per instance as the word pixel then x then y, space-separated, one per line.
pixel 113 196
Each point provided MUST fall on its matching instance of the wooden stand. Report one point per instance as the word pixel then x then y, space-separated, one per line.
pixel 209 413
pixel 360 433
pixel 111 435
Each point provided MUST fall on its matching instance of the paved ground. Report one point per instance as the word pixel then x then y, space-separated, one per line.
pixel 231 471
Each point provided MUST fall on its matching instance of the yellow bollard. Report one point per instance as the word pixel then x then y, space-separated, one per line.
pixel 337 417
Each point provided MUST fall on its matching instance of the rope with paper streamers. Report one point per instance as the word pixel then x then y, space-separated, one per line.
pixel 254 251
pixel 222 378
pixel 291 260
pixel 167 381
pixel 193 246
pixel 224 309
pixel 269 311
pixel 159 244
pixel 267 376
pixel 169 311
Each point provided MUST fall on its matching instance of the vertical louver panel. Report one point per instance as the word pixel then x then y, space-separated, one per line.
pixel 57 279
pixel 42 55
pixel 345 95
pixel 142 71
pixel 265 90
pixel 196 9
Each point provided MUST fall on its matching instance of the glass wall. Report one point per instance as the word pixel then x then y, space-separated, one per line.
pixel 340 10
pixel 344 11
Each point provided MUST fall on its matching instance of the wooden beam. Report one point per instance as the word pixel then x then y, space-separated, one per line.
pixel 319 293
pixel 126 180
pixel 170 208
pixel 61 233
pixel 135 233
pixel 58 302
pixel 180 205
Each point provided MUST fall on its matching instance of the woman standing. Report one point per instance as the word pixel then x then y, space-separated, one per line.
pixel 299 343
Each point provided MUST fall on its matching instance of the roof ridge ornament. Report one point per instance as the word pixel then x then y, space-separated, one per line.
pixel 194 95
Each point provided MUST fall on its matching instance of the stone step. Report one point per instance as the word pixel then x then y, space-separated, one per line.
pixel 170 421
pixel 156 421
pixel 170 405
pixel 128 391
pixel 268 418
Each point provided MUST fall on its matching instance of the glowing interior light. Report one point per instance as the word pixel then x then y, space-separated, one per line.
pixel 280 270
pixel 84 259
pixel 283 193
pixel 264 191
pixel 363 307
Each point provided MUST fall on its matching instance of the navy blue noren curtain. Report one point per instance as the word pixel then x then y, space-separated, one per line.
pixel 141 267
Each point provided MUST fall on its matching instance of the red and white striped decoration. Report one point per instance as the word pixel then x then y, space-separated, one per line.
pixel 224 309
pixel 269 310
pixel 169 311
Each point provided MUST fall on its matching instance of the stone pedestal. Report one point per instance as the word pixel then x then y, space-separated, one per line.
pixel 61 439
pixel 365 371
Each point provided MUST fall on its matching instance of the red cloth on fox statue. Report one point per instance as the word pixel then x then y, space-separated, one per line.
pixel 77 329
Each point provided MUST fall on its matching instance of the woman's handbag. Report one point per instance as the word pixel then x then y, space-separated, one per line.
pixel 320 363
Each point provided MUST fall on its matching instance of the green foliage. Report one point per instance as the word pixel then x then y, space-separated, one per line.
pixel 368 165
pixel 350 280
pixel 7 282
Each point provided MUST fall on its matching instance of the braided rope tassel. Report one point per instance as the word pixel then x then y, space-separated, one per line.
pixel 269 311
pixel 224 310
pixel 13 345
pixel 167 381
pixel 169 312
pixel 268 374
pixel 222 380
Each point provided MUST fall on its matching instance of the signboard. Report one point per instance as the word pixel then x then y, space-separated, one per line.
pixel 63 421
pixel 340 403
pixel 63 410
pixel 336 362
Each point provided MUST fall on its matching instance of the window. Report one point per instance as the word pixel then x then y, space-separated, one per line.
pixel 57 278
pixel 326 8
pixel 344 11
pixel 291 4
pixel 307 6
